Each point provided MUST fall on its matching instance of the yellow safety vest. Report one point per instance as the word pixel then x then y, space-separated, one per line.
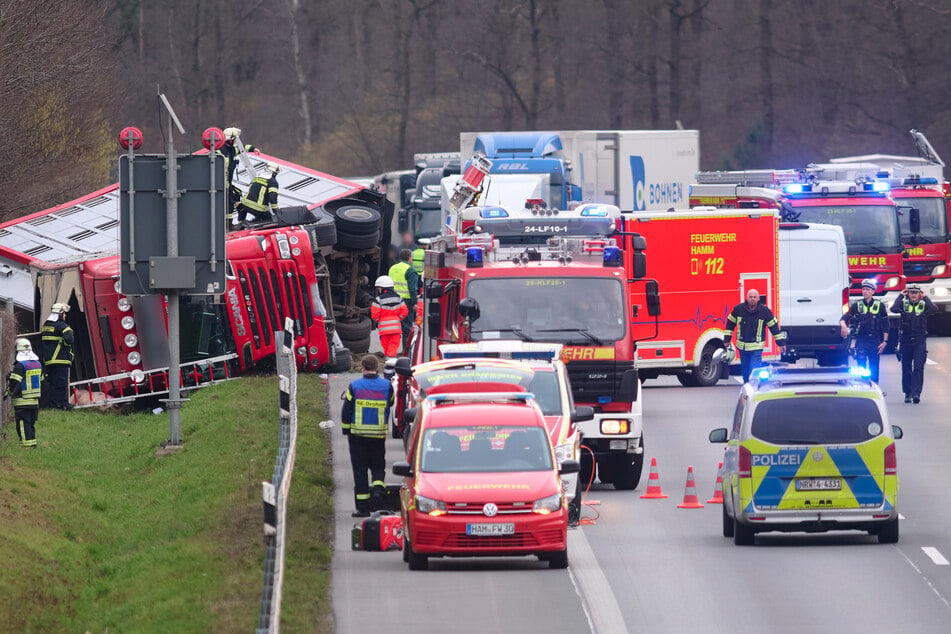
pixel 398 274
pixel 29 383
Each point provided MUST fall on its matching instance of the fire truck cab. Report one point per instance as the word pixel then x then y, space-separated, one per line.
pixel 554 276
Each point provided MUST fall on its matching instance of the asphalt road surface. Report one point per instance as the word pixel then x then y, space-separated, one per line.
pixel 645 565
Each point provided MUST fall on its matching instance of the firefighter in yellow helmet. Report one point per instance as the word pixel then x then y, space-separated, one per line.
pixel 261 198
pixel 23 384
pixel 58 339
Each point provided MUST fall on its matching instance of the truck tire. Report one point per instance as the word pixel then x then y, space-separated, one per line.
pixel 354 329
pixel 363 298
pixel 359 345
pixel 346 240
pixel 342 362
pixel 357 220
pixel 707 372
pixel 686 378
pixel 627 471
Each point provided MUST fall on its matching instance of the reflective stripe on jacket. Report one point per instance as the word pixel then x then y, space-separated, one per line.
pixel 913 316
pixel 367 406
pixel 57 339
pixel 751 334
pixel 25 383
pixel 867 320
pixel 400 284
pixel 261 194
pixel 418 255
pixel 389 309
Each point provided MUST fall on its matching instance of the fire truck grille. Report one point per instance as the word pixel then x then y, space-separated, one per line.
pixel 594 380
pixel 921 268
pixel 476 509
pixel 271 296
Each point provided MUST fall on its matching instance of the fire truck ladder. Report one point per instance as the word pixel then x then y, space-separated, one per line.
pixel 750 178
pixel 125 388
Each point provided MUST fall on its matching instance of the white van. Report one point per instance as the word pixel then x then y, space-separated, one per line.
pixel 813 291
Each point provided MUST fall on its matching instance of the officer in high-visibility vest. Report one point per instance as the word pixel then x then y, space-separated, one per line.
pixel 23 384
pixel 913 309
pixel 364 419
pixel 751 319
pixel 58 339
pixel 261 197
pixel 388 310
pixel 869 321
pixel 406 282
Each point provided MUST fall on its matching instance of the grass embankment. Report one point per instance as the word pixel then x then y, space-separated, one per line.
pixel 98 532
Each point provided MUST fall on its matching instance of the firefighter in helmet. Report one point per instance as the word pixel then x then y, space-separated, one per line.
pixel 406 283
pixel 261 198
pixel 868 320
pixel 388 310
pixel 23 384
pixel 364 416
pixel 751 319
pixel 58 339
pixel 913 309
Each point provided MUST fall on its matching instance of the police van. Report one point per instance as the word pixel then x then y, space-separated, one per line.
pixel 810 449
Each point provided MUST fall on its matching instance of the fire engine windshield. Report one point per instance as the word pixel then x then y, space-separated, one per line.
pixel 867 228
pixel 934 221
pixel 575 310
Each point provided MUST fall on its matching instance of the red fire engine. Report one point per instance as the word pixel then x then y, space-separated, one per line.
pixel 551 276
pixel 868 217
pixel 705 263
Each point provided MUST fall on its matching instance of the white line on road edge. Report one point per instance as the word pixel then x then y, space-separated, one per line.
pixel 900 516
pixel 597 597
pixel 738 380
pixel 935 556
pixel 926 580
pixel 930 362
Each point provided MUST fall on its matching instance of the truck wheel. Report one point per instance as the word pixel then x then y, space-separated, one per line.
pixel 707 372
pixel 343 361
pixel 324 230
pixel 558 560
pixel 888 533
pixel 686 378
pixel 627 471
pixel 346 240
pixel 727 523
pixel 357 220
pixel 587 469
pixel 354 329
pixel 743 535
pixel 359 346
pixel 363 298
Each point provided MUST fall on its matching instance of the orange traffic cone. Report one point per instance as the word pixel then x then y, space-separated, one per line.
pixel 717 488
pixel 653 483
pixel 690 493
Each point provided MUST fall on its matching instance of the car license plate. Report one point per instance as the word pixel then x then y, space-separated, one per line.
pixel 489 530
pixel 819 484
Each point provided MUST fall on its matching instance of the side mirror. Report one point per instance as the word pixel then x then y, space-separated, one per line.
pixel 718 435
pixel 469 308
pixel 434 290
pixel 434 319
pixel 897 432
pixel 402 469
pixel 653 298
pixel 582 414
pixel 409 415
pixel 566 467
pixel 638 265
pixel 404 366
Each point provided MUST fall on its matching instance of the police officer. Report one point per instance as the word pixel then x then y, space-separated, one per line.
pixel 406 283
pixel 261 197
pixel 23 384
pixel 58 340
pixel 869 321
pixel 366 408
pixel 750 319
pixel 913 309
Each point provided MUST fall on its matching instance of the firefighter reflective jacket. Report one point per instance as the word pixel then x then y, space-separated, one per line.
pixel 751 327
pixel 230 152
pixel 405 279
pixel 24 383
pixel 388 309
pixel 261 194
pixel 913 315
pixel 366 407
pixel 869 320
pixel 418 255
pixel 57 342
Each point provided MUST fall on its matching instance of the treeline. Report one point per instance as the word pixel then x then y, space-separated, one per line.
pixel 357 86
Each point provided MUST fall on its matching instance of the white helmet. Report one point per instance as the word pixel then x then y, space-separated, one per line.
pixel 273 167
pixel 232 133
pixel 60 308
pixel 385 281
pixel 23 344
pixel 870 282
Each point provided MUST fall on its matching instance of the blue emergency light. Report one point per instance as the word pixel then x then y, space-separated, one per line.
pixel 604 400
pixel 797 188
pixel 612 256
pixel 493 212
pixel 544 355
pixel 860 372
pixel 474 257
pixel 595 210
pixel 762 374
pixel 879 186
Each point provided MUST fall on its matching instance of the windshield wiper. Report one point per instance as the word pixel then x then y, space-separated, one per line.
pixel 583 331
pixel 518 332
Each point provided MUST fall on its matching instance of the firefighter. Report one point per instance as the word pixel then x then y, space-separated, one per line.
pixel 406 282
pixel 261 197
pixel 23 384
pixel 388 310
pixel 417 251
pixel 366 408
pixel 230 153
pixel 869 321
pixel 58 341
pixel 751 319
pixel 913 309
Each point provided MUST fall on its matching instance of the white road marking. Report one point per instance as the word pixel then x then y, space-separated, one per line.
pixel 738 380
pixel 935 556
pixel 926 580
pixel 900 516
pixel 597 596
pixel 930 362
